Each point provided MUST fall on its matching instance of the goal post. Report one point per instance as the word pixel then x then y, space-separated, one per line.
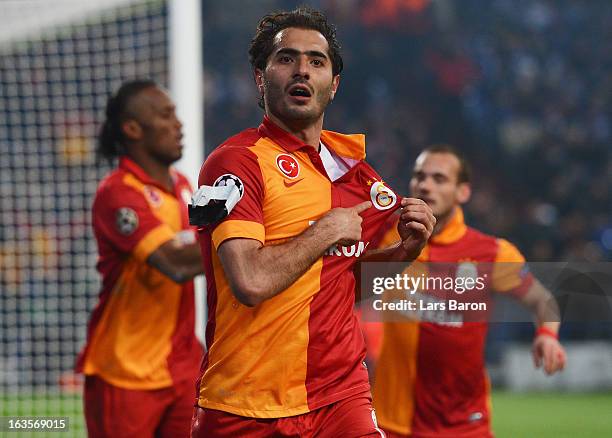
pixel 59 61
pixel 186 85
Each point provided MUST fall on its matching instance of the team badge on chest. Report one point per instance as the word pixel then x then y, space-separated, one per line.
pixel 382 196
pixel 288 166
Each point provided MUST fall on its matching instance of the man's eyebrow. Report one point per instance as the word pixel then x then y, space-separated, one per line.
pixel 438 174
pixel 312 53
pixel 432 174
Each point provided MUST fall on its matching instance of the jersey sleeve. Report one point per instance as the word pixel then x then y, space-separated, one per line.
pixel 510 272
pixel 246 218
pixel 122 217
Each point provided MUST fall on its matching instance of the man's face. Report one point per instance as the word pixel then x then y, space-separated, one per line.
pixel 162 133
pixel 435 181
pixel 297 82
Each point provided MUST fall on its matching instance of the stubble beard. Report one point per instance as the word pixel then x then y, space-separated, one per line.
pixel 276 104
pixel 160 154
pixel 167 158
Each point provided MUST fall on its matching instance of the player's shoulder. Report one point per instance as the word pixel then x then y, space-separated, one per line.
pixel 239 143
pixel 234 156
pixel 113 186
pixel 505 250
pixel 235 150
pixel 115 180
pixel 508 252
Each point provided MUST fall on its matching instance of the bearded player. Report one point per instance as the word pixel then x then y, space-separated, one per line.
pixel 286 355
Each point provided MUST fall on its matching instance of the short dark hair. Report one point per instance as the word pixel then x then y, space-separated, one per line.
pixel 111 141
pixel 464 175
pixel 302 17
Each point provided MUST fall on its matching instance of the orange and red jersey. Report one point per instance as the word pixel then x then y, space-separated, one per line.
pixel 431 378
pixel 141 333
pixel 303 348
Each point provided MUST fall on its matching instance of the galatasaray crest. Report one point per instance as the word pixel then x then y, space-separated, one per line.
pixel 382 196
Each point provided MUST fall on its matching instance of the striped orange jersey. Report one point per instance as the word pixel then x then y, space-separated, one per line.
pixel 141 333
pixel 431 378
pixel 303 348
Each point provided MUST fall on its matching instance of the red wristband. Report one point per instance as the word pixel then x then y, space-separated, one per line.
pixel 545 331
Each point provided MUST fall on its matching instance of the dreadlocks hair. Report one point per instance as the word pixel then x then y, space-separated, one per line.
pixel 302 17
pixel 111 141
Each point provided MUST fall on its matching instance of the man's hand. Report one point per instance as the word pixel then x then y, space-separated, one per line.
pixel 415 225
pixel 548 352
pixel 258 272
pixel 344 224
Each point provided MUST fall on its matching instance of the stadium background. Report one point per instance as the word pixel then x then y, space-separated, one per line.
pixel 524 87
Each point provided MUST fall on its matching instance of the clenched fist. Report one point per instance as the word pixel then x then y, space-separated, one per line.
pixel 415 225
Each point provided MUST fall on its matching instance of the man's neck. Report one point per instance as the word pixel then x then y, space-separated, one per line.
pixel 158 172
pixel 442 221
pixel 307 131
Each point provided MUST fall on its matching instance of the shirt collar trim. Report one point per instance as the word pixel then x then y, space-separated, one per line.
pixel 129 165
pixel 350 146
pixel 454 230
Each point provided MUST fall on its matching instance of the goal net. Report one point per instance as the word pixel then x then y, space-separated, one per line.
pixel 59 60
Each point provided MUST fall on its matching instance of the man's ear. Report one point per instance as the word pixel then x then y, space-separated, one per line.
pixel 334 88
pixel 259 80
pixel 132 130
pixel 464 192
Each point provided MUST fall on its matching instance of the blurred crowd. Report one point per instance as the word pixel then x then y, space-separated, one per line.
pixel 523 87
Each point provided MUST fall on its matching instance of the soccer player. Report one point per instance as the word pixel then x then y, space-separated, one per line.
pixel 142 356
pixel 285 351
pixel 430 378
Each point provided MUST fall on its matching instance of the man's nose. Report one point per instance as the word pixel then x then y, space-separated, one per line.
pixel 424 186
pixel 302 67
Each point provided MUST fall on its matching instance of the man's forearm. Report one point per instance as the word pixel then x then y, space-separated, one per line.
pixel 548 317
pixel 543 305
pixel 187 272
pixel 260 273
pixel 189 254
pixel 180 262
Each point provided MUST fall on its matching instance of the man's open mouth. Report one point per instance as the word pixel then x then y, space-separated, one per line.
pixel 299 91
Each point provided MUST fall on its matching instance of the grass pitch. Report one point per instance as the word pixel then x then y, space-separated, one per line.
pixel 557 415
pixel 538 415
